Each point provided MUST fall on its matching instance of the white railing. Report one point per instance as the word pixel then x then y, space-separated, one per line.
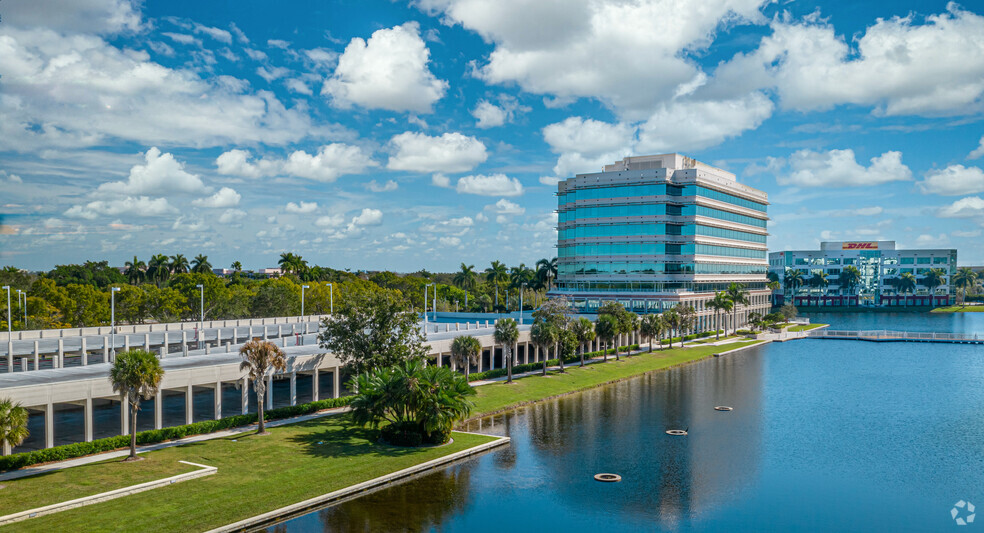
pixel 897 335
pixel 122 329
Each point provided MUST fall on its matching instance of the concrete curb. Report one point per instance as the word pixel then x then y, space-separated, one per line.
pixel 203 470
pixel 357 488
pixel 763 343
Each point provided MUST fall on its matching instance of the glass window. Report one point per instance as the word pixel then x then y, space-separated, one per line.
pixel 939 260
pixel 923 260
pixel 908 260
pixel 850 261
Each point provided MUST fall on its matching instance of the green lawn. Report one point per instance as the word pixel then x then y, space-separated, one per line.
pixel 960 309
pixel 54 487
pixel 500 396
pixel 807 327
pixel 711 339
pixel 255 475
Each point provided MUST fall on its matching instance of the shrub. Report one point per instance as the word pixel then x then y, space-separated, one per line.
pixel 153 436
pixel 403 434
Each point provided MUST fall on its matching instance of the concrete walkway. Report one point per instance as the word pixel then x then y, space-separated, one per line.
pixel 97 458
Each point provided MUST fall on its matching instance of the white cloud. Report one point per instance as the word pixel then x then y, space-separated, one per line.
pixel 630 55
pixel 972 206
pixel 278 43
pixel 216 33
pixel 272 73
pixel 389 71
pixel 440 180
pixel 978 152
pixel 225 197
pixel 95 16
pixel 141 206
pixel 458 226
pixel 686 125
pixel 368 217
pixel 954 180
pixel 966 234
pixel 451 152
pixel 490 115
pixel 232 215
pixel 549 180
pixel 838 168
pixel 490 185
pixel 298 86
pixel 449 241
pixel 390 185
pixel 160 176
pixel 302 207
pixel 183 38
pixel 588 137
pixel 331 162
pixel 931 240
pixel 191 226
pixel 505 207
pixel 330 221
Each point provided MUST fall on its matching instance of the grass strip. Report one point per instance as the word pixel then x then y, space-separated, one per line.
pixel 63 485
pixel 501 396
pixel 806 327
pixel 959 309
pixel 256 474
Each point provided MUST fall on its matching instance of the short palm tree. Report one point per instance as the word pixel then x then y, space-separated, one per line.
pixel 964 279
pixel 237 266
pixel 496 275
pixel 849 278
pixel 672 319
pixel 465 350
pixel 158 269
pixel 906 283
pixel 135 374
pixel 13 425
pixel 179 264
pixel 135 270
pixel 793 280
pixel 934 278
pixel 652 326
pixel 720 304
pixel 506 334
pixel 201 265
pixel 544 335
pixel 546 271
pixel 465 280
pixel 584 332
pixel 258 358
pixel 606 328
pixel 739 296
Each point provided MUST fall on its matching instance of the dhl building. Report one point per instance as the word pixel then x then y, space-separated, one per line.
pixel 864 273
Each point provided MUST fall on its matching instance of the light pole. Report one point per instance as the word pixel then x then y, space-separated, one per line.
pixel 19 292
pixel 302 297
pixel 201 337
pixel 112 321
pixel 25 309
pixel 521 285
pixel 10 335
pixel 435 301
pixel 331 294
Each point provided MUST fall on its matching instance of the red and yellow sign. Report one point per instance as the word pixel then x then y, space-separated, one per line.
pixel 859 245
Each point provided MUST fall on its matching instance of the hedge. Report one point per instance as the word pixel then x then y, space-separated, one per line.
pixel 529 367
pixel 153 436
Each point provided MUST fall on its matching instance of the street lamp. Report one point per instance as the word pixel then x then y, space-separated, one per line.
pixel 10 335
pixel 112 321
pixel 521 285
pixel 425 300
pixel 302 297
pixel 331 294
pixel 201 337
pixel 22 306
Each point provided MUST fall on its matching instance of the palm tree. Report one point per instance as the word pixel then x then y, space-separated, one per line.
pixel 793 280
pixel 739 296
pixel 773 286
pixel 135 270
pixel 583 330
pixel 237 266
pixel 672 319
pixel 506 334
pixel 934 278
pixel 179 264
pixel 465 350
pixel 606 328
pixel 906 283
pixel 849 278
pixel 465 280
pixel 201 264
pixel 546 271
pixel 688 315
pixel 819 280
pixel 497 274
pixel 158 269
pixel 652 326
pixel 544 335
pixel 13 425
pixel 720 304
pixel 964 279
pixel 258 358
pixel 135 374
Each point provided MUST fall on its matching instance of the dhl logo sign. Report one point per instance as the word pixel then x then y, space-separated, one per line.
pixel 859 246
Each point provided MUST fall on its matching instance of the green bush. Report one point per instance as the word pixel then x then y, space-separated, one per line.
pixel 404 434
pixel 153 436
pixel 529 367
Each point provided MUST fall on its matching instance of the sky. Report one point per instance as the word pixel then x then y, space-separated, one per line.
pixel 406 135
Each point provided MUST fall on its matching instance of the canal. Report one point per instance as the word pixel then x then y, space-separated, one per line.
pixel 825 435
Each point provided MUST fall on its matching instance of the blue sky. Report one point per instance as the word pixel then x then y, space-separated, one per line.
pixel 371 135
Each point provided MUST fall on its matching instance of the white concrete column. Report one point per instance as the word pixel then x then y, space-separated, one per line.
pixel 269 392
pixel 280 330
pixel 60 361
pixel 437 359
pixel 337 377
pixel 235 335
pixel 164 347
pixel 245 390
pixel 126 343
pixel 454 365
pixel 314 385
pixel 105 348
pixel 124 417
pixel 49 425
pixel 481 360
pixel 492 358
pixel 37 356
pixel 184 343
pixel 83 354
pixel 147 341
pixel 218 400
pixel 158 410
pixel 189 405
pixel 87 415
pixel 265 337
pixel 293 388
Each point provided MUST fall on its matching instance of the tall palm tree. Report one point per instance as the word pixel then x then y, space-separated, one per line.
pixel 13 425
pixel 688 316
pixel 849 278
pixel 720 304
pixel 906 283
pixel 497 274
pixel 465 350
pixel 773 286
pixel 159 269
pixel 606 328
pixel 465 280
pixel 819 280
pixel 652 326
pixel 201 265
pixel 793 280
pixel 179 264
pixel 583 330
pixel 546 271
pixel 135 270
pixel 934 278
pixel 544 335
pixel 506 334
pixel 673 322
pixel 237 266
pixel 258 358
pixel 964 279
pixel 135 374
pixel 739 296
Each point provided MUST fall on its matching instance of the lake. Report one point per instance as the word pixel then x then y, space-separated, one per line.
pixel 825 435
